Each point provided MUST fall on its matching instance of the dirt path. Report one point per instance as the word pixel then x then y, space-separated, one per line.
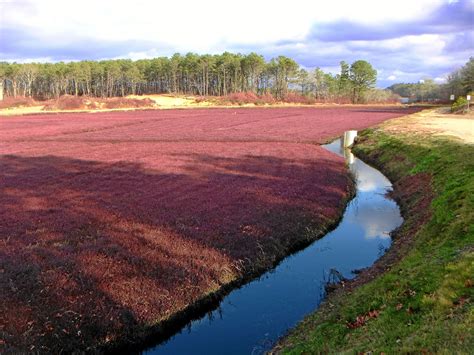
pixel 435 122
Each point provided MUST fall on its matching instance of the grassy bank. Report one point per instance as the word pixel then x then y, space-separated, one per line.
pixel 418 297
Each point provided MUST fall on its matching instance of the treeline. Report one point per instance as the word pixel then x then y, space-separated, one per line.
pixel 459 83
pixel 425 90
pixel 192 74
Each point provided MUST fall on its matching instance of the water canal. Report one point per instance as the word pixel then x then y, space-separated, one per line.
pixel 249 320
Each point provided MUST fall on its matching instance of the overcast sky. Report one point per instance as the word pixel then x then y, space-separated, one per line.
pixel 404 40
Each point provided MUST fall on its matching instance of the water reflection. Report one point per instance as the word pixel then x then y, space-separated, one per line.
pixel 372 212
pixel 250 319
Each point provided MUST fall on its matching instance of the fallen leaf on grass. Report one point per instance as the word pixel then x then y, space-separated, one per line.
pixel 361 320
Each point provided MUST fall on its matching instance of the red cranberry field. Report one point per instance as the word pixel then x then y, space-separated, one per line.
pixel 111 222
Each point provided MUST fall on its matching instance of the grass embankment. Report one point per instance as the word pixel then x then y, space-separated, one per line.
pixel 418 297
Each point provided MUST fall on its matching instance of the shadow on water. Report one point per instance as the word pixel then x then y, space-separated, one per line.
pixel 252 318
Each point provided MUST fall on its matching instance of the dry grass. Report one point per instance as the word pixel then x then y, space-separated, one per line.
pixel 17 102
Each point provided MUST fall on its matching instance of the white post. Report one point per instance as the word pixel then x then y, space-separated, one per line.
pixel 1 90
pixel 349 137
pixel 468 101
pixel 348 156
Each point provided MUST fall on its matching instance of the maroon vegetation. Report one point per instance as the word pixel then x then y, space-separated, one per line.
pixel 110 222
pixel 249 97
pixel 70 102
pixel 19 101
pixel 242 98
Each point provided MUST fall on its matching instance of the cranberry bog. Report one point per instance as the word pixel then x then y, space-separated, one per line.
pixel 111 223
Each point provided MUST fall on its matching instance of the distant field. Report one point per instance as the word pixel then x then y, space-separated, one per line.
pixel 110 222
pixel 297 124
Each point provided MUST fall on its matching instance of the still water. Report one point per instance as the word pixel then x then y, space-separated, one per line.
pixel 251 319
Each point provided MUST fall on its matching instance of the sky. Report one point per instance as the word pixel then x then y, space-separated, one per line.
pixel 405 40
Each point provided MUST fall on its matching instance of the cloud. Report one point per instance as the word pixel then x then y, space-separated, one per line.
pixel 17 44
pixel 417 38
pixel 440 80
pixel 448 18
pixel 461 42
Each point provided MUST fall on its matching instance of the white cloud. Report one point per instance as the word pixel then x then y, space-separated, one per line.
pixel 32 60
pixel 204 25
pixel 52 30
